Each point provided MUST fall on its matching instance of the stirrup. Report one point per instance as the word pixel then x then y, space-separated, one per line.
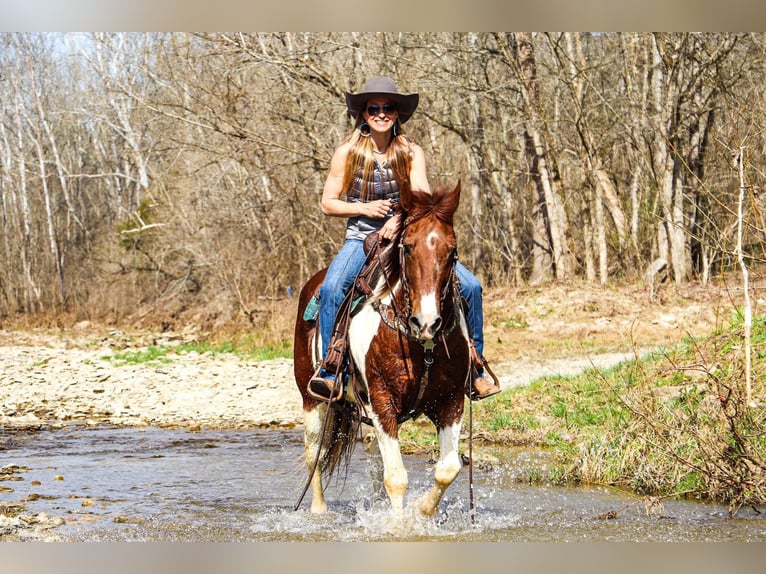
pixel 491 389
pixel 323 388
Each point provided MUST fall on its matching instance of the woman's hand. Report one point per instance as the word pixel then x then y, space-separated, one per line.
pixel 377 209
pixel 390 228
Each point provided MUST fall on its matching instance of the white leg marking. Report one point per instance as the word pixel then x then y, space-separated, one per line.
pixel 312 422
pixel 449 460
pixel 446 470
pixel 394 472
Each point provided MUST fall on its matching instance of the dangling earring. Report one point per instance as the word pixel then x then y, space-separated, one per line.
pixel 395 129
pixel 364 129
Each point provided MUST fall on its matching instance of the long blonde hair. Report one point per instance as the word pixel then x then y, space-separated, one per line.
pixel 361 159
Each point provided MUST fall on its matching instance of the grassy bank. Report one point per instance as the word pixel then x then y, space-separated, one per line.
pixel 672 423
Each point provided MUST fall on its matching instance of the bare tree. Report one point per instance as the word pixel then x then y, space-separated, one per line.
pixel 550 248
pixel 601 192
pixel 682 98
pixel 178 176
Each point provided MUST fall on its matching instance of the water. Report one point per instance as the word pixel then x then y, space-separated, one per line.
pixel 148 484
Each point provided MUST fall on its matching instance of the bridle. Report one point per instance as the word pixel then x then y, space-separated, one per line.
pixel 397 318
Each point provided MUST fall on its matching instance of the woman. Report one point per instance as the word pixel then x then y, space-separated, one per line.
pixel 369 168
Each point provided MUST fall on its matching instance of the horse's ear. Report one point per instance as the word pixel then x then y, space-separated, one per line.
pixel 456 191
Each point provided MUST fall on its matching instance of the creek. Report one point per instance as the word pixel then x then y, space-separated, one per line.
pixel 152 484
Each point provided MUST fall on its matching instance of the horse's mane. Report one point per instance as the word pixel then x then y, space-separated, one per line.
pixel 442 203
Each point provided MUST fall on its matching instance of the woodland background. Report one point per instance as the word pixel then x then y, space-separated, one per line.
pixel 165 178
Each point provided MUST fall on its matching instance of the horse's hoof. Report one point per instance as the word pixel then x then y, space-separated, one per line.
pixel 426 506
pixel 318 508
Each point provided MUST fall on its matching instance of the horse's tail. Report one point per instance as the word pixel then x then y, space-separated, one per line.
pixel 341 423
pixel 344 431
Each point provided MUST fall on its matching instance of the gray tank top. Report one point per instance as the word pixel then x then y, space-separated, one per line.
pixel 384 186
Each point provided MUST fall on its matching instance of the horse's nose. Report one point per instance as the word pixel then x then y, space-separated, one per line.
pixel 422 329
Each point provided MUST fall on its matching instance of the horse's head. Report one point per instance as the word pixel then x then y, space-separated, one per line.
pixel 428 254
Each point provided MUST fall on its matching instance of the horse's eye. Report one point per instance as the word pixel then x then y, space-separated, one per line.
pixel 407 250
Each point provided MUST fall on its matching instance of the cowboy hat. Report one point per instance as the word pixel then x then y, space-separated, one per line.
pixel 382 87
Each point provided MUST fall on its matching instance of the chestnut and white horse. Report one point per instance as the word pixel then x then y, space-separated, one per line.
pixel 409 354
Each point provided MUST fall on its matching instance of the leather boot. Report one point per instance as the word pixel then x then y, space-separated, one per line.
pixel 482 387
pixel 323 386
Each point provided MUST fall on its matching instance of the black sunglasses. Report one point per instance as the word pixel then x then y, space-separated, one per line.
pixel 375 109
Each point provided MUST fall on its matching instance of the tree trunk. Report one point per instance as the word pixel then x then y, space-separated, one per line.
pixel 592 164
pixel 671 227
pixel 550 251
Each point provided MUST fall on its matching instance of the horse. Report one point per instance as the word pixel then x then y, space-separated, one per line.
pixel 409 354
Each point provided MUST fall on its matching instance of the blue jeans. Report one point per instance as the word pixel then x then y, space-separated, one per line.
pixel 470 290
pixel 340 276
pixel 344 269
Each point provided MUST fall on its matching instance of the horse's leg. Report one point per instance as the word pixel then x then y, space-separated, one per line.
pixel 313 421
pixel 363 328
pixel 394 472
pixel 446 469
pixel 376 466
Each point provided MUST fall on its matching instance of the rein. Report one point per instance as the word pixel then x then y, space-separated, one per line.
pixel 396 318
pixel 428 360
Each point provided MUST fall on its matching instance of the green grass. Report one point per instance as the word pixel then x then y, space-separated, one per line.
pixel 515 322
pixel 244 348
pixel 657 427
pixel 150 355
